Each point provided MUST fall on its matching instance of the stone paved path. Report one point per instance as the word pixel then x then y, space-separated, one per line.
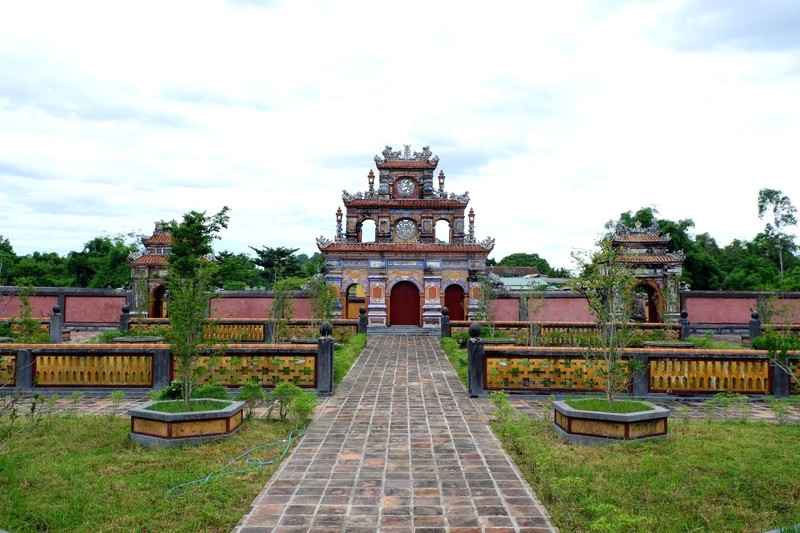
pixel 400 447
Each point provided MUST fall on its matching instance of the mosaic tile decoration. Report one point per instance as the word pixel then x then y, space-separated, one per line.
pixel 268 370
pixel 541 374
pixel 8 370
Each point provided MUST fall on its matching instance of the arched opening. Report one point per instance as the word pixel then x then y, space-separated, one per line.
pixel 404 305
pixel 454 302
pixel 367 231
pixel 158 305
pixel 356 298
pixel 645 304
pixel 442 232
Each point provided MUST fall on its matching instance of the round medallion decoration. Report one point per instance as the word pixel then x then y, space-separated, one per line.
pixel 405 187
pixel 405 229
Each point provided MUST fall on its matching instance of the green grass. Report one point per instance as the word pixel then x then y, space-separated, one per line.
pixel 346 354
pixel 709 343
pixel 457 357
pixel 176 406
pixel 706 477
pixel 83 474
pixel 604 406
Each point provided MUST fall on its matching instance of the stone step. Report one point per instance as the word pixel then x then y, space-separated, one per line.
pixel 406 331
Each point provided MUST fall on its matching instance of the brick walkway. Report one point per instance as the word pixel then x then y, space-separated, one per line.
pixel 400 447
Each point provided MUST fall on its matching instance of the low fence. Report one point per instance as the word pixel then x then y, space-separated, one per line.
pixel 563 333
pixel 97 368
pixel 243 330
pixel 674 372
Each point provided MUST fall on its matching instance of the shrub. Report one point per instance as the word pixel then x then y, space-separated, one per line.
pixel 302 408
pixel 251 393
pixel 217 392
pixel 282 396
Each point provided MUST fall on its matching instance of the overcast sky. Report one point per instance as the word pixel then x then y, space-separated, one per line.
pixel 555 116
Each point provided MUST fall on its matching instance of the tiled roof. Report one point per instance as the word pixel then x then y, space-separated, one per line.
pixel 515 271
pixel 650 258
pixel 371 247
pixel 151 260
pixel 640 238
pixel 406 202
pixel 158 239
pixel 405 163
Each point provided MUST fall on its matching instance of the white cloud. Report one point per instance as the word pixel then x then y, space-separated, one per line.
pixel 556 117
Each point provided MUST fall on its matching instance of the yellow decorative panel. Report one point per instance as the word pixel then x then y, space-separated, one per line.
pixel 709 375
pixel 102 370
pixel 227 332
pixel 528 373
pixel 8 370
pixel 199 428
pixel 155 428
pixel 268 370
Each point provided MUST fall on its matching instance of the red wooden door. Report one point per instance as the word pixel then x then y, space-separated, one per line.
pixel 454 301
pixel 404 305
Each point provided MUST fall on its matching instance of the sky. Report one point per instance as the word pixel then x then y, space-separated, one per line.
pixel 555 116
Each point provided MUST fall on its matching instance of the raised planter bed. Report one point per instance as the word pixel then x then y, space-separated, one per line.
pixel 594 427
pixel 668 344
pixel 156 428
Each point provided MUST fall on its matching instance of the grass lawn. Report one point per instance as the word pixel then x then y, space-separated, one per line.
pixel 706 477
pixel 83 474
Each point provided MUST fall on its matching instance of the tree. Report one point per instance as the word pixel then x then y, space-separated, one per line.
pixel 527 260
pixel 190 274
pixel 783 215
pixel 607 284
pixel 7 260
pixel 236 271
pixel 277 263
pixel 103 262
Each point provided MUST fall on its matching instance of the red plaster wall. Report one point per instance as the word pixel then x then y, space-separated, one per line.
pixel 93 308
pixel 41 306
pixel 719 310
pixel 560 310
pixel 506 309
pixel 255 307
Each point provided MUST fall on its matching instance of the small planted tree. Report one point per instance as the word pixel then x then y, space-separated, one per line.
pixel 190 271
pixel 490 286
pixel 607 283
pixel 323 297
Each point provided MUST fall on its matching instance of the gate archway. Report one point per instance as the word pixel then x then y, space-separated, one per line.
pixel 404 305
pixel 454 302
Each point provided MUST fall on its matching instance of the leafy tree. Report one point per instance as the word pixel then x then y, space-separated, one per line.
pixel 783 215
pixel 7 260
pixel 42 270
pixel 607 284
pixel 103 262
pixel 236 271
pixel 277 263
pixel 527 260
pixel 190 274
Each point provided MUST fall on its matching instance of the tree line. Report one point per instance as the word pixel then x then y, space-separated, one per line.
pixel 768 262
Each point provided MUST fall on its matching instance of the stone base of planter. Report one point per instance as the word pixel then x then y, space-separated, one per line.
pixel 593 427
pixel 154 428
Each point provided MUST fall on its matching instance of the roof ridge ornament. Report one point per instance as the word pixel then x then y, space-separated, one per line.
pixel 406 155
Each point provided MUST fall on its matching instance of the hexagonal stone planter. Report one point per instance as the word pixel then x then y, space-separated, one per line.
pixel 156 428
pixel 594 427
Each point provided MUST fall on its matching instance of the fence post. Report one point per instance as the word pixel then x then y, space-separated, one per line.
pixel 161 369
pixel 125 319
pixel 641 385
pixel 362 319
pixel 684 321
pixel 755 327
pixel 24 364
pixel 475 357
pixel 56 325
pixel 325 360
pixel 445 322
pixel 781 384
